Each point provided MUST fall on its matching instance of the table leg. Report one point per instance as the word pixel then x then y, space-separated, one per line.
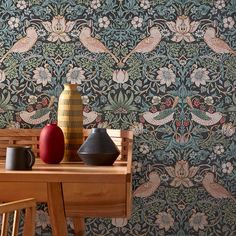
pixel 79 226
pixel 56 209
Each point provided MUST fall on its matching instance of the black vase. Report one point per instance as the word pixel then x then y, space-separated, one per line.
pixel 98 149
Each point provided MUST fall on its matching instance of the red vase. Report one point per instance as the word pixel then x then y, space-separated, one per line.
pixel 51 144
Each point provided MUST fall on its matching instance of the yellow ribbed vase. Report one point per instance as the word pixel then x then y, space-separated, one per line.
pixel 70 120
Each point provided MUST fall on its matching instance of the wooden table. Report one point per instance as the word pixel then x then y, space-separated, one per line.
pixel 71 189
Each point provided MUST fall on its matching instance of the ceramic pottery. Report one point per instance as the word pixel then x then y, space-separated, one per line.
pixel 70 120
pixel 98 149
pixel 19 158
pixel 51 144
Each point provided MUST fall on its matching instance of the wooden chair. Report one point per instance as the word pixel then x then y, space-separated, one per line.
pixel 16 206
pixel 21 137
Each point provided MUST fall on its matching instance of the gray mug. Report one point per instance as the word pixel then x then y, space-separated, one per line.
pixel 19 158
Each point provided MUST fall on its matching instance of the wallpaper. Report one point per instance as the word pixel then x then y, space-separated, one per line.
pixel 165 69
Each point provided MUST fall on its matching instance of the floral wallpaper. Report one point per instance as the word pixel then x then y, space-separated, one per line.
pixel 165 69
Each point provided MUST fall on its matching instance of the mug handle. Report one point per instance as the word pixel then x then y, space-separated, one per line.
pixel 30 157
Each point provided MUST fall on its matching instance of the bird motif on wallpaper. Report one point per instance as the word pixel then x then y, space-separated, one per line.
pixel 203 117
pixel 147 44
pixel 148 188
pixel 89 117
pixel 38 116
pixel 93 44
pixel 161 117
pixel 24 44
pixel 216 44
pixel 215 189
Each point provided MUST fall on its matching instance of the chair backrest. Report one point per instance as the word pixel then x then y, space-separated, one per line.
pixel 16 206
pixel 30 137
pixel 24 137
pixel 122 138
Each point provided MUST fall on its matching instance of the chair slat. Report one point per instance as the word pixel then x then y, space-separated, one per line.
pixel 5 220
pixel 16 221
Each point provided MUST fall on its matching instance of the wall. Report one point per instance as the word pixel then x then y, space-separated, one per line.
pixel 165 69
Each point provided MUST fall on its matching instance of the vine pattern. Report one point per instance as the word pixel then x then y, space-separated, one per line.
pixel 164 69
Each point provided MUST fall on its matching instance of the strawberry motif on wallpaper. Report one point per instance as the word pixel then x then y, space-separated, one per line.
pixel 161 117
pixel 203 117
pixel 37 116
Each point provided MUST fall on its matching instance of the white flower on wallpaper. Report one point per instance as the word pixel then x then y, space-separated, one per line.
pixel 198 220
pixel 199 33
pixel 219 149
pixel 58 29
pixel 220 4
pixel 166 76
pixel 136 166
pixel 70 222
pixel 21 5
pixel 227 167
pixel 119 222
pixel 165 33
pixel 156 100
pixel 32 99
pixel 75 75
pixel 95 4
pixel 145 4
pixel 183 29
pixel 209 100
pixel 137 128
pixel 228 22
pixel 182 173
pixel 164 220
pixel 120 76
pixel 103 22
pixel 41 33
pixel 42 76
pixel 85 100
pixel 200 76
pixel 144 149
pixel 13 125
pixel 2 76
pixel 137 22
pixel 42 219
pixel 228 129
pixel 13 22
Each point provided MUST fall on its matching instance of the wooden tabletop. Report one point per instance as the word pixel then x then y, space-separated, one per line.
pixel 65 172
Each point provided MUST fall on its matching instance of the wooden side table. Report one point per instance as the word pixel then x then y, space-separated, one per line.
pixel 71 189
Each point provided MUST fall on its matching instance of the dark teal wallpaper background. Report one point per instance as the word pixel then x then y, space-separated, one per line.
pixel 165 69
